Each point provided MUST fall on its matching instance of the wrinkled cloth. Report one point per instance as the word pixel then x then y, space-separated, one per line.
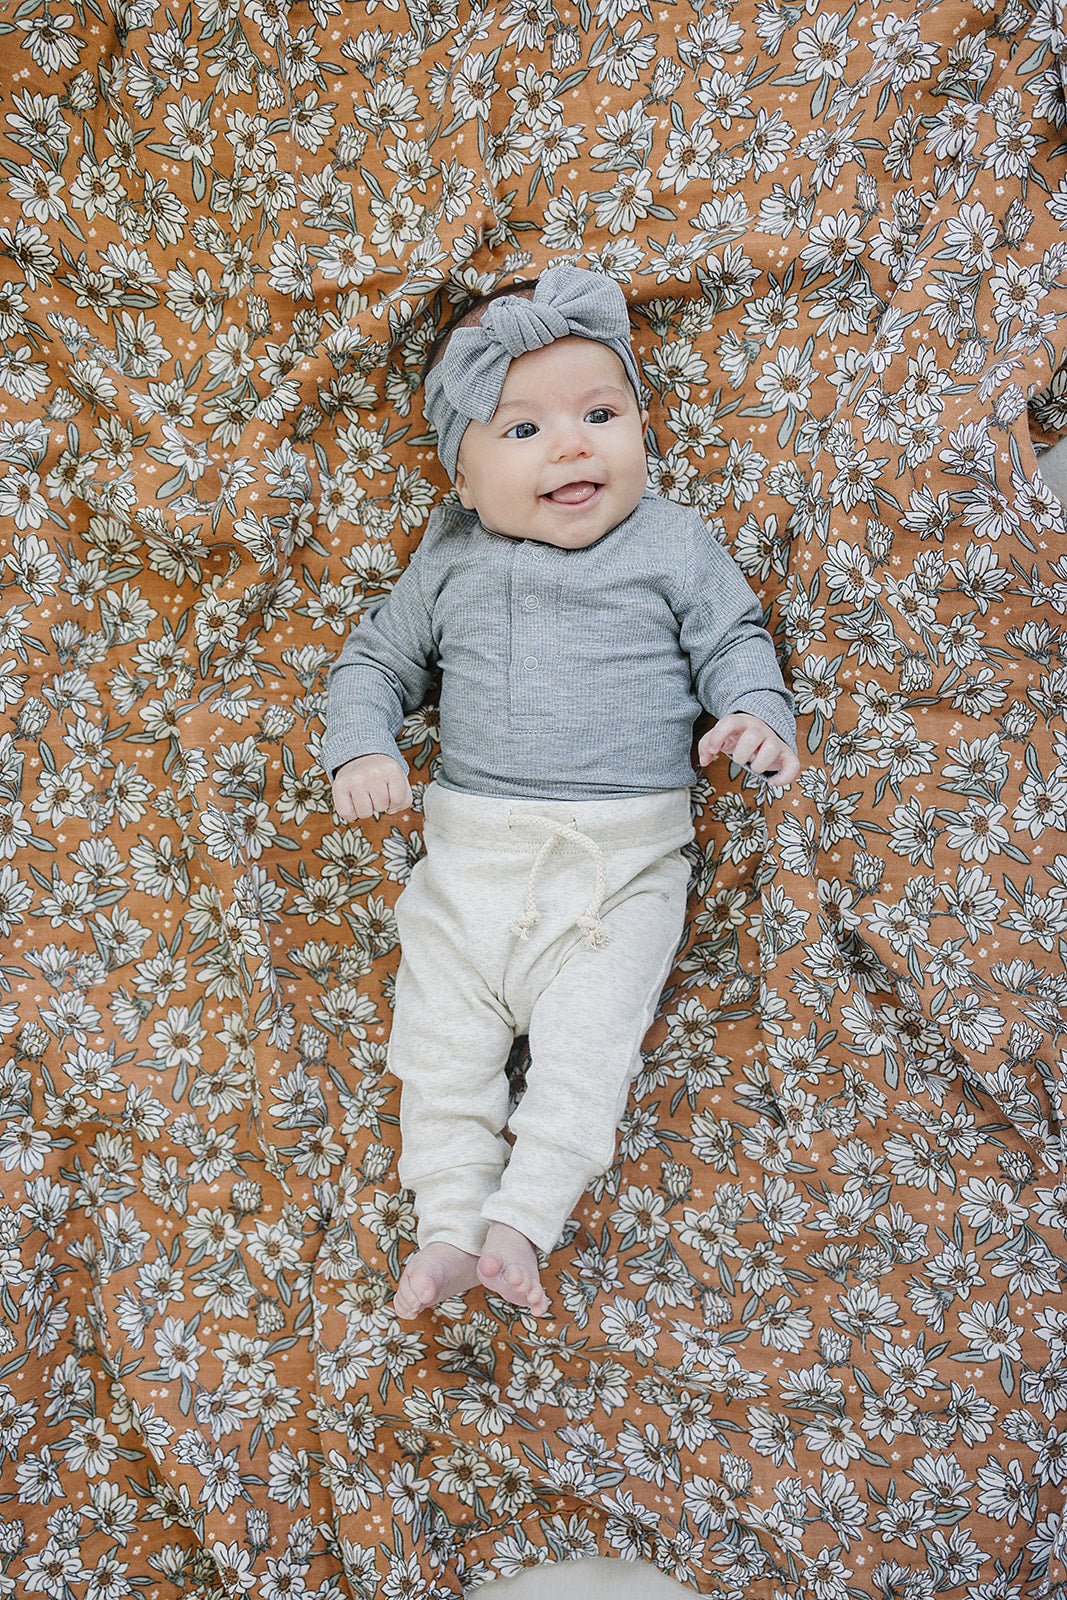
pixel 811 1339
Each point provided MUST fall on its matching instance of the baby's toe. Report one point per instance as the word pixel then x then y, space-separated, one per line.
pixel 405 1304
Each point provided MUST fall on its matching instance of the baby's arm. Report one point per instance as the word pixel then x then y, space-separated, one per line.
pixel 752 744
pixel 382 673
pixel 369 784
pixel 735 670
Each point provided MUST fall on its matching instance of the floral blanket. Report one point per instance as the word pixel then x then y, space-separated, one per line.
pixel 808 1335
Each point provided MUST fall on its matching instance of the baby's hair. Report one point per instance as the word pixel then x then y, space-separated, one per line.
pixel 471 318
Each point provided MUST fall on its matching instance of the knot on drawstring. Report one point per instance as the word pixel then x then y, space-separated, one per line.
pixel 594 934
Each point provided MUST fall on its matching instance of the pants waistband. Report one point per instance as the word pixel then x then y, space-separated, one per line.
pixel 504 822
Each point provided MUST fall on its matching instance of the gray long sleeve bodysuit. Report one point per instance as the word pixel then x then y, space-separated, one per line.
pixel 565 674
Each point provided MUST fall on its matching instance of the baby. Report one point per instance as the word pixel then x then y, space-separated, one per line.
pixel 580 626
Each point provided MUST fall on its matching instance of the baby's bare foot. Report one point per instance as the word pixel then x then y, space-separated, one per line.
pixel 431 1275
pixel 508 1266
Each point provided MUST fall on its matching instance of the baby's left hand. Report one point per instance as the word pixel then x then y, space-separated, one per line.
pixel 752 744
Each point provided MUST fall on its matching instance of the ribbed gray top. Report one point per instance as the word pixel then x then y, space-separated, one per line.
pixel 565 674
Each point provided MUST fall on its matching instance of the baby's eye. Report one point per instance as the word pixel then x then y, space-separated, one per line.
pixel 521 430
pixel 600 414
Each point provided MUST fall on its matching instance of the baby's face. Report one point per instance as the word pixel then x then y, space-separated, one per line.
pixel 562 460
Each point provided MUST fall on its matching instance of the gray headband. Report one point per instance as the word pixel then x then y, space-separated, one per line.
pixel 465 384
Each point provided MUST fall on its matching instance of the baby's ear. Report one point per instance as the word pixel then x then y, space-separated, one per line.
pixel 644 425
pixel 462 490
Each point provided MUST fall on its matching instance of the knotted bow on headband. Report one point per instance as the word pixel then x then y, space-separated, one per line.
pixel 465 384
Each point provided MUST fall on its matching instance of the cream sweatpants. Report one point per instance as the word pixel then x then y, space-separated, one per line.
pixel 556 919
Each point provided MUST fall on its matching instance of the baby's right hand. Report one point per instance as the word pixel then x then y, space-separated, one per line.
pixel 370 784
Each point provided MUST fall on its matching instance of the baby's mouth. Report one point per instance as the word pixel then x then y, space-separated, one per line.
pixel 573 494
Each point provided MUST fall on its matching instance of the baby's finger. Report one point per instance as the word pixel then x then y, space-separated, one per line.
pixel 789 768
pixel 707 749
pixel 398 792
pixel 767 759
pixel 344 803
pixel 371 798
pixel 719 740
pixel 745 746
pixel 776 763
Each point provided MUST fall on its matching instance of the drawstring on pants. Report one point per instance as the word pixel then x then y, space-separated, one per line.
pixel 595 935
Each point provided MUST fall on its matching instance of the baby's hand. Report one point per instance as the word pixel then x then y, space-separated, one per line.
pixel 369 784
pixel 752 744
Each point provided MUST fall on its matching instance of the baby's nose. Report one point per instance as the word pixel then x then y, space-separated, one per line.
pixel 571 438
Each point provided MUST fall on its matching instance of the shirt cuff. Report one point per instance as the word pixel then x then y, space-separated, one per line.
pixel 343 747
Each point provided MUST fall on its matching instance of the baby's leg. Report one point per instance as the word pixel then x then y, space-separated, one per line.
pixel 586 1029
pixel 449 1048
pixel 448 1045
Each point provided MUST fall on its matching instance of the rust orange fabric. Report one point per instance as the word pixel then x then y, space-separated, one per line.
pixel 808 1334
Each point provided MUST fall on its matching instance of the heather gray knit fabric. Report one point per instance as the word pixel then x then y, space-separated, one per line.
pixel 565 674
pixel 466 383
